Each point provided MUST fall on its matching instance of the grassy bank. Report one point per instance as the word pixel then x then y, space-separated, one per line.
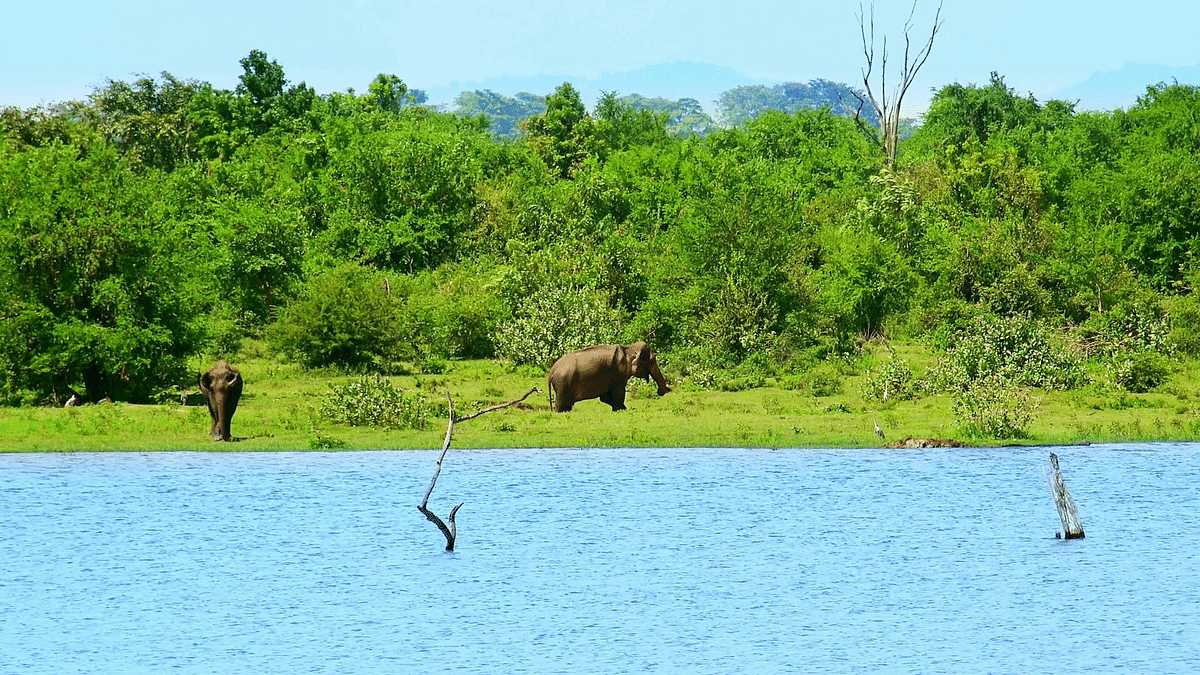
pixel 281 410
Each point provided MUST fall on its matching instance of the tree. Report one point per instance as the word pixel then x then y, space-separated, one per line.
pixel 503 114
pixel 262 85
pixel 147 120
pixel 619 125
pixel 559 136
pixel 741 104
pixel 388 93
pixel 888 109
pixel 95 288
pixel 342 317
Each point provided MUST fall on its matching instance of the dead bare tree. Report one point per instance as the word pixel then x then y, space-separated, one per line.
pixel 887 107
pixel 448 527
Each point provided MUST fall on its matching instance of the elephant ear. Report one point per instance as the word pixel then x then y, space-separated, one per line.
pixel 641 363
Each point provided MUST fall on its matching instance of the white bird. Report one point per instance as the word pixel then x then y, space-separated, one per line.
pixel 878 431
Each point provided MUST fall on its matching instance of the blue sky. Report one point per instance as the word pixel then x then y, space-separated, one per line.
pixel 61 50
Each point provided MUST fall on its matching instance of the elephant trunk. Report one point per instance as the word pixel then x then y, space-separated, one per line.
pixel 658 378
pixel 224 409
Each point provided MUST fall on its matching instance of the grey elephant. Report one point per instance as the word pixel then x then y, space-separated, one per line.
pixel 601 372
pixel 222 387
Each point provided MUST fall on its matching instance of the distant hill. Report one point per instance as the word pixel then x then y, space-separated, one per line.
pixel 1121 88
pixel 680 79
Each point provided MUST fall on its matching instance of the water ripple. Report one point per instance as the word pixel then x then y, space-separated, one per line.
pixel 614 561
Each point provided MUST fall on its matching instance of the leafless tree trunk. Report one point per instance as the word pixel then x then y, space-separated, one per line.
pixel 448 527
pixel 887 105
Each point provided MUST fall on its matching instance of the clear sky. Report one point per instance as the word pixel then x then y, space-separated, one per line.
pixel 61 50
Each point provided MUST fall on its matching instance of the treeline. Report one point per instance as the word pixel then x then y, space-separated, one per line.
pixel 685 117
pixel 164 218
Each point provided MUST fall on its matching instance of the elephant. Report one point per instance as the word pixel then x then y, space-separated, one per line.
pixel 222 387
pixel 601 371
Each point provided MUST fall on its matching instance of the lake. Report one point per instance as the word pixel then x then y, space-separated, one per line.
pixel 601 561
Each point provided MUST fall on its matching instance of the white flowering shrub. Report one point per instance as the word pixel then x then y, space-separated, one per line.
pixel 994 407
pixel 1015 349
pixel 556 321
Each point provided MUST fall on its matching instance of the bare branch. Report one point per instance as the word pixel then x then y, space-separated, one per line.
pixel 450 530
pixel 497 407
pixel 888 109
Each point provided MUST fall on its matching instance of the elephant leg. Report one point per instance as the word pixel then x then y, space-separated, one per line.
pixel 615 397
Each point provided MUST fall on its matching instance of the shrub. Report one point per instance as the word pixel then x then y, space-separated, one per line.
pixel 551 323
pixel 372 401
pixel 823 380
pixel 451 313
pixel 994 407
pixel 893 381
pixel 1139 372
pixel 1133 326
pixel 342 318
pixel 1016 349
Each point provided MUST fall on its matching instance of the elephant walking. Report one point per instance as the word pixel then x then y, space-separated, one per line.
pixel 601 372
pixel 222 387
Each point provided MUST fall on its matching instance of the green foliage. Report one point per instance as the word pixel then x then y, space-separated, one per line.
pixel 1184 313
pixel 864 280
pixel 1139 372
pixel 1138 324
pixel 94 287
pixel 399 190
pixel 554 321
pixel 743 104
pixel 341 318
pixel 372 401
pixel 892 381
pixel 1017 350
pixel 994 407
pixel 685 117
pixel 822 381
pixel 503 114
pixel 164 216
pixel 452 313
pixel 560 136
pixel 146 120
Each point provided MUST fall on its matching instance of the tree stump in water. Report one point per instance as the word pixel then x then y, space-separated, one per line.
pixel 1067 512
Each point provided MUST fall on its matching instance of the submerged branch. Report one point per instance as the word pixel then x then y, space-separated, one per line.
pixel 448 528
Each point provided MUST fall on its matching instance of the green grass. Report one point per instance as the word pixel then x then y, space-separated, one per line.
pixel 280 410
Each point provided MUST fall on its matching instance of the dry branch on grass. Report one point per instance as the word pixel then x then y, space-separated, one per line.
pixel 448 527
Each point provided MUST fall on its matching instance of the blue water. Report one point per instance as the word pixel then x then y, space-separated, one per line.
pixel 601 561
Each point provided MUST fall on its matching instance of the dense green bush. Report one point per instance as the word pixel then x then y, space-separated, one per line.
pixel 994 407
pixel 1139 372
pixel 342 317
pixel 372 401
pixel 1015 349
pixel 98 286
pixel 449 314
